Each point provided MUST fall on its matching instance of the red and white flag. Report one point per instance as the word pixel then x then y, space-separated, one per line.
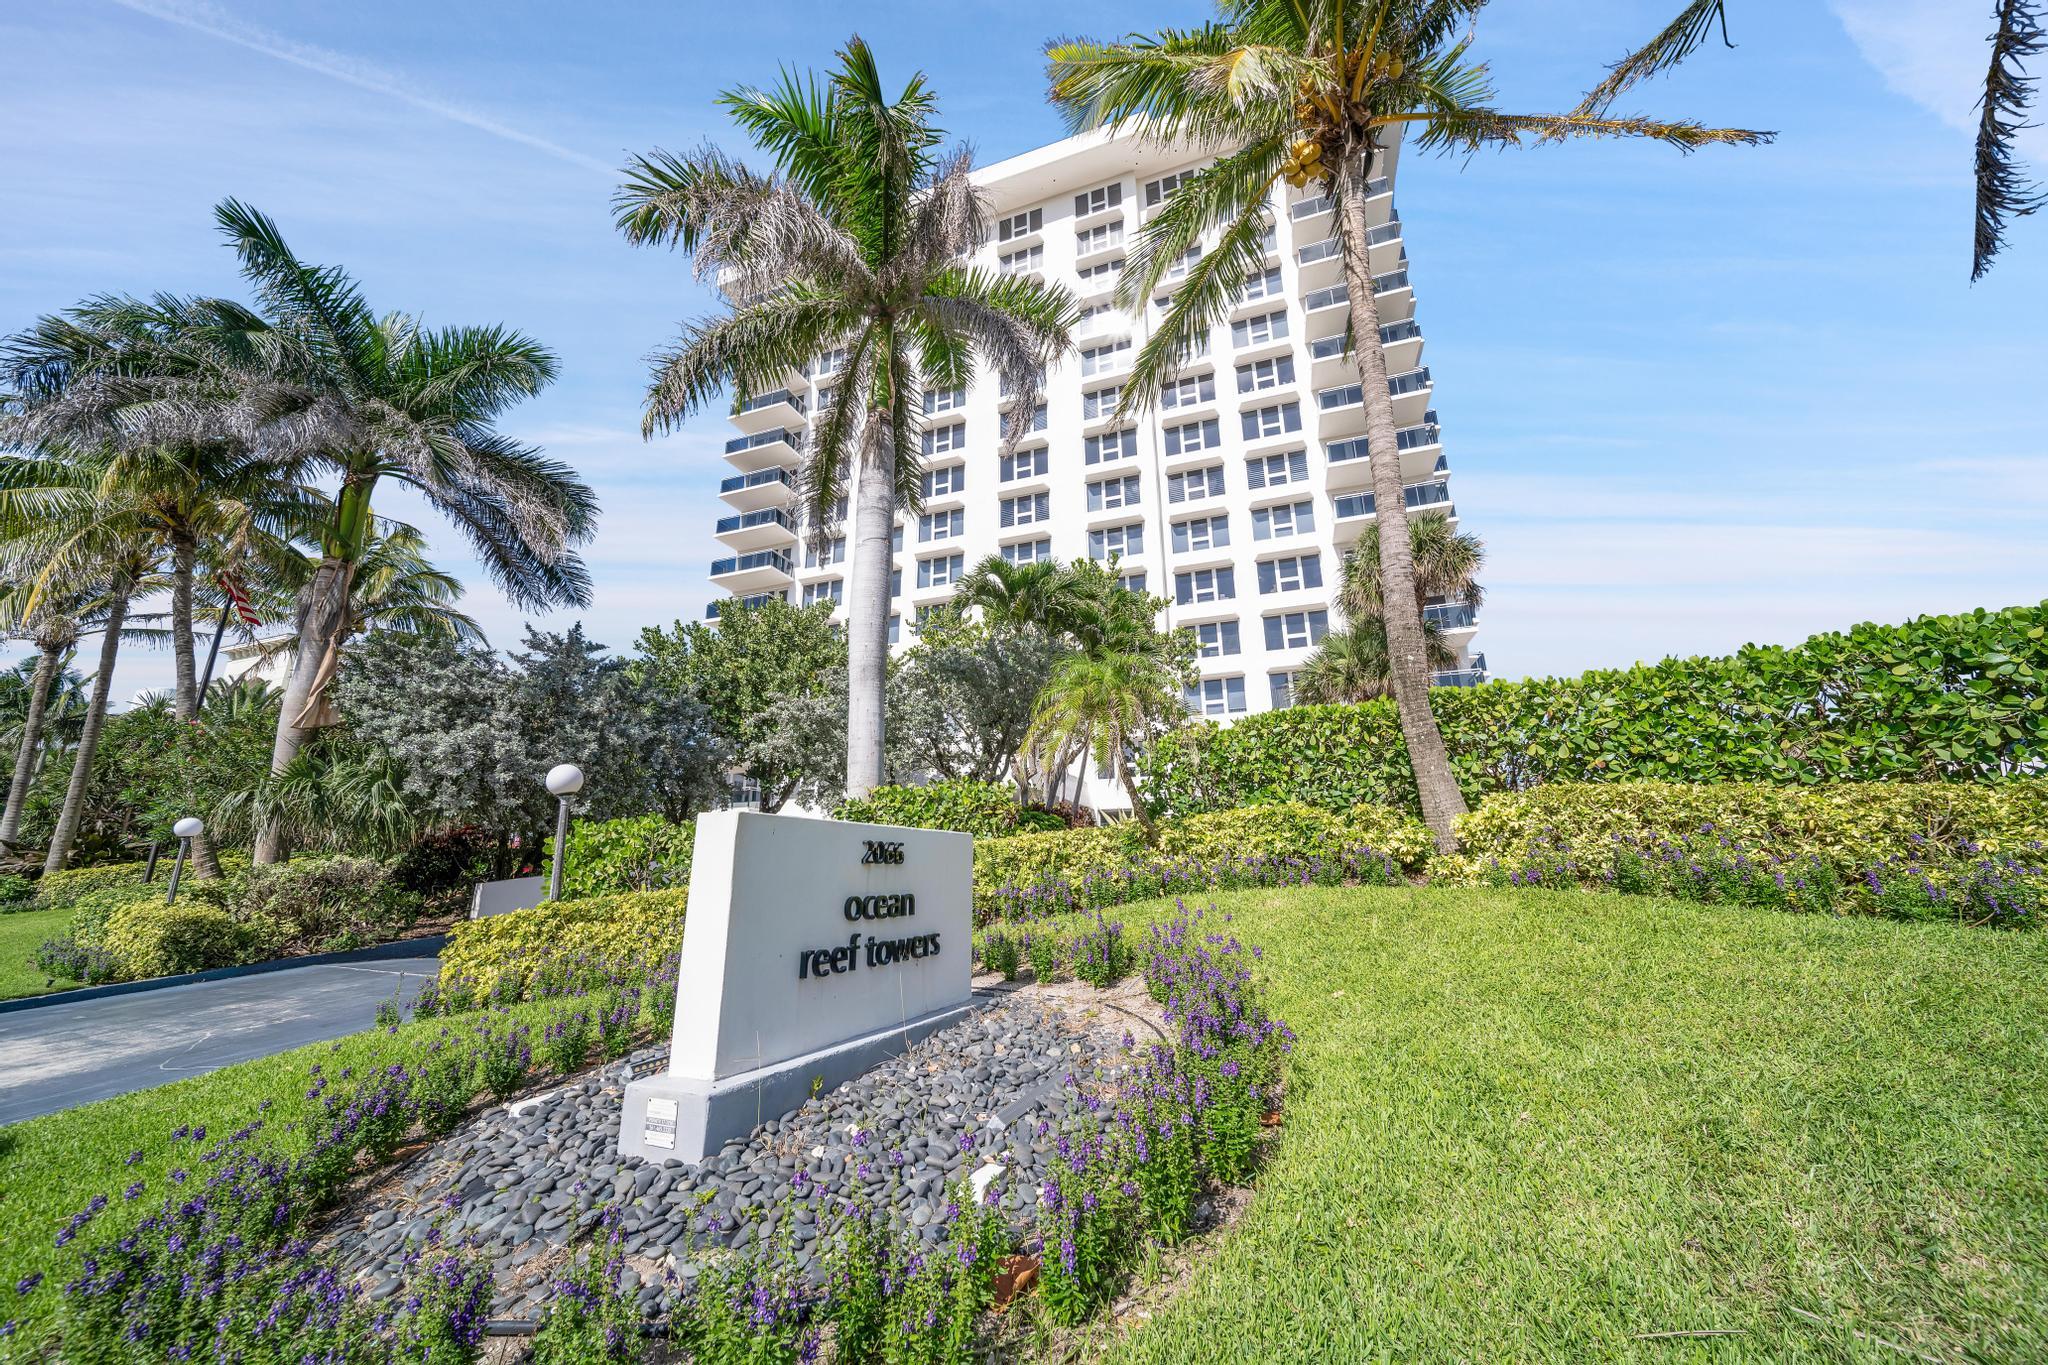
pixel 240 599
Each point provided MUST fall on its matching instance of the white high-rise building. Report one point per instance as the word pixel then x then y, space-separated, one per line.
pixel 1235 498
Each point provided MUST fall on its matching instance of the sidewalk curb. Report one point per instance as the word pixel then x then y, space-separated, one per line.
pixel 408 947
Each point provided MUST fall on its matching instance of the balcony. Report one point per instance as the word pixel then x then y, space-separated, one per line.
pixel 752 530
pixel 1459 677
pixel 1418 497
pixel 1378 206
pixel 752 572
pixel 763 448
pixel 1420 452
pixel 1451 616
pixel 763 488
pixel 769 410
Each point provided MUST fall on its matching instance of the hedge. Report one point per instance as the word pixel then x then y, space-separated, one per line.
pixel 984 809
pixel 638 853
pixel 1942 698
pixel 565 945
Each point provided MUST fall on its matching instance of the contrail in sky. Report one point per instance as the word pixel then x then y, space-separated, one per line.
pixel 217 23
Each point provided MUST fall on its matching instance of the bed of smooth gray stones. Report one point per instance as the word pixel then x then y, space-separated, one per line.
pixel 528 1180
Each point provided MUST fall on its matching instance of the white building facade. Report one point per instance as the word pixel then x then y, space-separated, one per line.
pixel 1235 498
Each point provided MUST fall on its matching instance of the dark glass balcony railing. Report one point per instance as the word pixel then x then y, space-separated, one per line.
pixel 1460 677
pixel 759 559
pixel 1451 615
pixel 736 482
pixel 1416 495
pixel 767 516
pixel 792 439
pixel 769 400
pixel 1413 381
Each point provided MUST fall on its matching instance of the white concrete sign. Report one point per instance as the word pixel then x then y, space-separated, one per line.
pixel 812 949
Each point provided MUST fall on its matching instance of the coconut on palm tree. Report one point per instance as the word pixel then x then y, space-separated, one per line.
pixel 385 399
pixel 855 242
pixel 1310 93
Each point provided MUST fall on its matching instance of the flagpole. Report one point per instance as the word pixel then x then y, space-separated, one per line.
pixel 219 629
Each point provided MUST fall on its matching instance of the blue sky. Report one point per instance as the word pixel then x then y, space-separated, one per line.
pixel 1689 402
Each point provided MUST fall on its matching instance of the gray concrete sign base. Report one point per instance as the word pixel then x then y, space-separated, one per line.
pixel 667 1117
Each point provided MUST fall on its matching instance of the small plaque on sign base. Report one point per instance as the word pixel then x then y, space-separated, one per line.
pixel 812 950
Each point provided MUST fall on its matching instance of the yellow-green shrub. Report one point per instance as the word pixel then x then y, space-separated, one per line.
pixel 593 938
pixel 1850 825
pixel 1062 854
pixel 1293 829
pixel 149 938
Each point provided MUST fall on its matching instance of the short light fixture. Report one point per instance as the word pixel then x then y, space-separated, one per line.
pixel 564 781
pixel 187 830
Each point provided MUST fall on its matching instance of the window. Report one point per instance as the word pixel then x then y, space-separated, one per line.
pixel 1195 484
pixel 1117 540
pixel 831 552
pixel 1272 471
pixel 1020 225
pixel 895 582
pixel 895 628
pixel 1325 298
pixel 1291 574
pixel 943 439
pixel 938 573
pixel 944 400
pixel 1132 582
pixel 1283 690
pixel 1264 285
pixel 1114 445
pixel 827 364
pixel 941 525
pixel 1027 509
pixel 1102 359
pixel 896 540
pixel 944 483
pixel 1189 437
pixel 1025 464
pixel 1201 533
pixel 927 611
pixel 1101 403
pixel 1185 393
pixel 1297 629
pixel 1261 375
pixel 831 590
pixel 1099 200
pixel 1157 190
pixel 1021 262
pixel 1103 273
pixel 1106 495
pixel 1037 422
pixel 1214 639
pixel 1259 330
pixel 1182 264
pixel 1098 239
pixel 1262 424
pixel 1288 519
pixel 1204 585
pixel 1216 696
pixel 1003 387
pixel 1030 552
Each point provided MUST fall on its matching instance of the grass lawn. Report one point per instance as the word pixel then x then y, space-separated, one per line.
pixel 1525 1125
pixel 20 935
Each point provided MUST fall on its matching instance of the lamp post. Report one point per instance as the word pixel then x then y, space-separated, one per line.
pixel 187 830
pixel 564 781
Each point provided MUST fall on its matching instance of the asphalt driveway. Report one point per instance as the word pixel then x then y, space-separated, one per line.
pixel 57 1056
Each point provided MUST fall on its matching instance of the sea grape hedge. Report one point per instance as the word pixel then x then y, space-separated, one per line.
pixel 637 853
pixel 985 809
pixel 1942 698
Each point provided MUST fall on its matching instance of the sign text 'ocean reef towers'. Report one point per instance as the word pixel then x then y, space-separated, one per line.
pixel 1235 498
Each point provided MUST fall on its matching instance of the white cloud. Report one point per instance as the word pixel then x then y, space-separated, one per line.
pixel 1933 52
pixel 216 22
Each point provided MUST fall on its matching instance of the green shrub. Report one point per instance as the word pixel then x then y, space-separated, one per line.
pixel 1001 951
pixel 16 893
pixel 988 810
pixel 313 905
pixel 559 946
pixel 149 938
pixel 91 909
pixel 57 890
pixel 1069 854
pixel 639 853
pixel 1292 829
pixel 1943 698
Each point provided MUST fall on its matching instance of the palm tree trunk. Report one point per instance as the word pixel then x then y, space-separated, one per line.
pixel 48 659
pixel 323 612
pixel 89 738
pixel 1407 648
pixel 867 636
pixel 1130 781
pixel 186 699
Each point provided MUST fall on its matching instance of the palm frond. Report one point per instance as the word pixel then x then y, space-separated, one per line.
pixel 2002 192
pixel 1679 39
pixel 1470 129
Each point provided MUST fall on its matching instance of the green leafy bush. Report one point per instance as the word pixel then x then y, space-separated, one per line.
pixel 149 938
pixel 985 809
pixel 1942 698
pixel 638 853
pixel 58 890
pixel 593 943
pixel 91 910
pixel 1292 829
pixel 16 893
pixel 313 905
pixel 1070 854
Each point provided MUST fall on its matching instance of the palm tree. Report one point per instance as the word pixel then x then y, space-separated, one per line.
pixel 1447 564
pixel 1110 704
pixel 1043 594
pixel 54 627
pixel 387 399
pixel 1311 92
pixel 854 241
pixel 2002 192
pixel 1352 664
